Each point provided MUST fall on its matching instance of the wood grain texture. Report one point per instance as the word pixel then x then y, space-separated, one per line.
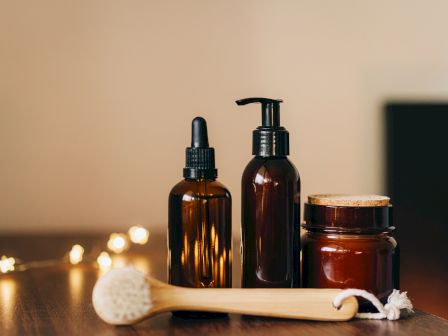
pixel 57 300
pixel 297 303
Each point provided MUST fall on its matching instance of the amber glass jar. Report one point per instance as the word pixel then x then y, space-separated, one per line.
pixel 348 243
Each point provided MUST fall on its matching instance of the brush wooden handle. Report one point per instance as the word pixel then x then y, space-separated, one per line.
pixel 300 303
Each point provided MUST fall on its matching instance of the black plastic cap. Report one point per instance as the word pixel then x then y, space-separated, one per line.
pixel 270 139
pixel 270 142
pixel 200 158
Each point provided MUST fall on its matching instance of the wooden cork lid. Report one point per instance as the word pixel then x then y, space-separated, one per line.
pixel 359 213
pixel 349 200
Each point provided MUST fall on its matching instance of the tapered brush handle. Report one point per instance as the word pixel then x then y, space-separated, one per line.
pixel 300 303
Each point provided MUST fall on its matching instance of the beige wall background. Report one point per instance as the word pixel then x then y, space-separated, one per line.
pixel 96 97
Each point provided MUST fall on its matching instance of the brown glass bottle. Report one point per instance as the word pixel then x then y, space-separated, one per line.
pixel 200 235
pixel 199 223
pixel 270 206
pixel 270 223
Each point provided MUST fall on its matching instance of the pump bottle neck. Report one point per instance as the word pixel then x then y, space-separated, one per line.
pixel 270 139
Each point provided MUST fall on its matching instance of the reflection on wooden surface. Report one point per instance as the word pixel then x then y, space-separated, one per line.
pixel 7 301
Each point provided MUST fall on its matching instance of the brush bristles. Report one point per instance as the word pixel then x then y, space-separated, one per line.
pixel 122 296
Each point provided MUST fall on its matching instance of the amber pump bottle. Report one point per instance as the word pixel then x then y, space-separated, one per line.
pixel 199 222
pixel 270 211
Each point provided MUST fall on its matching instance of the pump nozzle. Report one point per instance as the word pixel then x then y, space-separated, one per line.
pixel 270 139
pixel 270 110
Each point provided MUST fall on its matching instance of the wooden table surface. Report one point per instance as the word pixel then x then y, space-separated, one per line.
pixel 56 300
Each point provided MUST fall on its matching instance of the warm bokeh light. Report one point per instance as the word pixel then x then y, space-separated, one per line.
pixel 143 264
pixel 138 235
pixel 104 261
pixel 7 264
pixel 76 254
pixel 119 261
pixel 118 242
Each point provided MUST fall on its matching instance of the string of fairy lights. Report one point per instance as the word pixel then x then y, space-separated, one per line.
pixel 117 243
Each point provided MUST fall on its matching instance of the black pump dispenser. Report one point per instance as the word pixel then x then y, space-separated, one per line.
pixel 270 139
pixel 270 206
pixel 200 158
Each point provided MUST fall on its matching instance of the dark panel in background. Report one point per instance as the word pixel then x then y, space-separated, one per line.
pixel 417 181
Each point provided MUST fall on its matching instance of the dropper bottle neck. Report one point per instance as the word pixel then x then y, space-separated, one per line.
pixel 199 158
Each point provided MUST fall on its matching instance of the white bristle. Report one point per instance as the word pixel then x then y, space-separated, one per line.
pixel 122 296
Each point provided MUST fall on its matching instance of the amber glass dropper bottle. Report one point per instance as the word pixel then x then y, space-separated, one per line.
pixel 199 223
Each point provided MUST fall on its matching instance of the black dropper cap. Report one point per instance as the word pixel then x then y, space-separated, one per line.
pixel 200 158
pixel 270 139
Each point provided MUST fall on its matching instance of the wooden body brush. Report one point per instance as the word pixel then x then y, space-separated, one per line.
pixel 126 296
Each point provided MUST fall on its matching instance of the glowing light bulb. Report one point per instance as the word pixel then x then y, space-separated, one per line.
pixel 76 253
pixel 118 242
pixel 7 264
pixel 104 261
pixel 138 235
